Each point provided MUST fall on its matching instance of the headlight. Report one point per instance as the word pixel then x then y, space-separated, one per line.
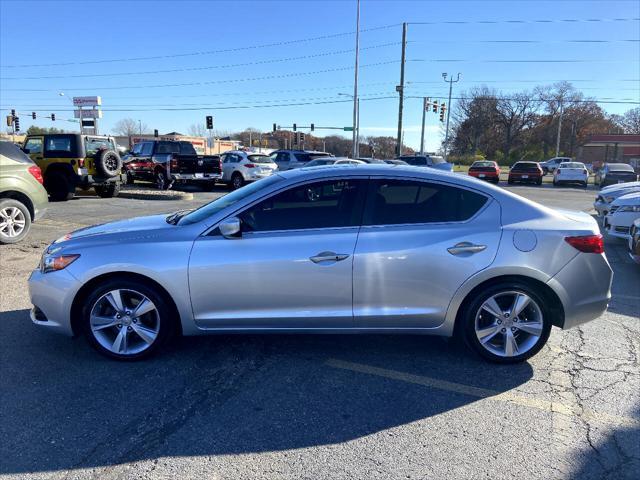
pixel 51 262
pixel 608 199
pixel 630 208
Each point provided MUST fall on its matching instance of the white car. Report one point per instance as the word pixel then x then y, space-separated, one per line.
pixel 240 167
pixel 624 211
pixel 571 172
pixel 550 165
pixel 321 162
pixel 607 195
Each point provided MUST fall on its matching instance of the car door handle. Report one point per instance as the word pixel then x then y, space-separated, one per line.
pixel 328 257
pixel 465 247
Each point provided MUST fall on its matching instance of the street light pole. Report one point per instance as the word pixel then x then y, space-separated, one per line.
pixel 424 111
pixel 400 89
pixel 446 134
pixel 559 128
pixel 355 85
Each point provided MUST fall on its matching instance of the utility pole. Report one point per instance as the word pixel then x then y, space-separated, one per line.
pixel 559 128
pixel 140 126
pixel 355 85
pixel 446 132
pixel 358 134
pixel 400 89
pixel 425 105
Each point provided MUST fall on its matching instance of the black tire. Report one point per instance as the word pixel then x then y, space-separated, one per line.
pixel 108 190
pixel 161 180
pixel 510 182
pixel 236 181
pixel 539 182
pixel 472 307
pixel 15 221
pixel 108 163
pixel 209 186
pixel 130 179
pixel 555 184
pixel 59 186
pixel 165 319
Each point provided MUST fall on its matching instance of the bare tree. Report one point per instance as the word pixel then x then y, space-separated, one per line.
pixel 197 130
pixel 129 126
pixel 630 121
pixel 515 115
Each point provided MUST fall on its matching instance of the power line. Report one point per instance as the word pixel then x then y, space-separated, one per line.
pixel 555 20
pixel 211 82
pixel 430 42
pixel 208 67
pixel 629 101
pixel 477 60
pixel 205 52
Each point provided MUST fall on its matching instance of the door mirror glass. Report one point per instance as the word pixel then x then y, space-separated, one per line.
pixel 230 227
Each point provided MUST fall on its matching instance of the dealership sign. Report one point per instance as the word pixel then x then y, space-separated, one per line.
pixel 87 101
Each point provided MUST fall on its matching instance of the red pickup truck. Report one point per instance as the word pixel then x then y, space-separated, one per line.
pixel 165 162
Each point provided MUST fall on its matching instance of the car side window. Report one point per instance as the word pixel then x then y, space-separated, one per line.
pixel 34 145
pixel 282 157
pixel 327 204
pixel 137 148
pixel 395 202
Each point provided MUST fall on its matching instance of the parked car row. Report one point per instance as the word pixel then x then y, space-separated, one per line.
pixel 618 208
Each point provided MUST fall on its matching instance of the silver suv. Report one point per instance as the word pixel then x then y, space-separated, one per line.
pixel 290 159
pixel 240 167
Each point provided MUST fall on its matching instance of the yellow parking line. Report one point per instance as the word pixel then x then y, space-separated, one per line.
pixel 545 405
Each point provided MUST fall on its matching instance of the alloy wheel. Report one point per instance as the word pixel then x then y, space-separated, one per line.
pixel 125 322
pixel 509 323
pixel 237 181
pixel 12 222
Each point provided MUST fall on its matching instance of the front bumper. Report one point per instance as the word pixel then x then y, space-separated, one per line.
pixel 619 224
pixel 601 208
pixel 584 288
pixel 52 295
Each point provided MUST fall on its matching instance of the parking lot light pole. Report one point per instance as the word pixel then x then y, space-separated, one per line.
pixel 79 109
pixel 355 85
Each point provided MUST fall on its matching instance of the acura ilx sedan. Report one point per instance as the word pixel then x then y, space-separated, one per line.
pixel 338 249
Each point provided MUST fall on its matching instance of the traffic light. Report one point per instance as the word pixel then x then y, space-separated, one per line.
pixel 427 103
pixel 435 106
pixel 301 138
pixel 295 127
pixel 274 128
pixel 13 112
pixel 33 115
pixel 209 122
pixel 9 120
pixel 313 127
pixel 442 109
pixel 155 132
pixel 16 123
pixel 53 117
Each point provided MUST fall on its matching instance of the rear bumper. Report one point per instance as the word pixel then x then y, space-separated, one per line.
pixel 530 178
pixel 196 177
pixel 584 288
pixel 91 180
pixel 484 175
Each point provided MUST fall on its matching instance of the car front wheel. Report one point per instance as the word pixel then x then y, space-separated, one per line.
pixel 506 323
pixel 15 221
pixel 126 320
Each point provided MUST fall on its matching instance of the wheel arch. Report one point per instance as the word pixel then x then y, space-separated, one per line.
pixel 20 197
pixel 551 298
pixel 83 292
pixel 60 167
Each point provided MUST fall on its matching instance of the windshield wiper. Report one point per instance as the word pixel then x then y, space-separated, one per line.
pixel 175 217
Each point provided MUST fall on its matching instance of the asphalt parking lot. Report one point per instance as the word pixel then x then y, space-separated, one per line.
pixel 237 407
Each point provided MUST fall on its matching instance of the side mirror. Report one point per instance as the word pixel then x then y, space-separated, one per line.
pixel 230 228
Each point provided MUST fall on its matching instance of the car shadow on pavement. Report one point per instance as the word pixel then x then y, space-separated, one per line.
pixel 65 407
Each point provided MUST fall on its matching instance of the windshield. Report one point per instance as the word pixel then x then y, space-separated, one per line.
pixel 260 158
pixel 437 160
pixel 227 200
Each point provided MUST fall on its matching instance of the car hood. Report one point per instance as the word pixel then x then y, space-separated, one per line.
pixel 143 225
pixel 628 199
pixel 619 192
pixel 620 186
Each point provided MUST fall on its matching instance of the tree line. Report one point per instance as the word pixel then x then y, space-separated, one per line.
pixel 524 125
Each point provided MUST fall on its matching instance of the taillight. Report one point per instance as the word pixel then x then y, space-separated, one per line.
pixel 250 165
pixel 587 243
pixel 81 162
pixel 37 173
pixel 559 170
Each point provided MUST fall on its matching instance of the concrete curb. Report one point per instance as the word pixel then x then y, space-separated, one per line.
pixel 138 194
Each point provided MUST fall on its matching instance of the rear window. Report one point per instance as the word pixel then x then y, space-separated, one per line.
pixel 525 166
pixel 416 161
pixel 11 151
pixel 571 165
pixel 187 148
pixel 435 160
pixel 58 144
pixel 620 167
pixel 168 147
pixel 259 158
pixel 482 164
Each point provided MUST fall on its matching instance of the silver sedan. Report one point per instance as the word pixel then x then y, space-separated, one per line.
pixel 366 249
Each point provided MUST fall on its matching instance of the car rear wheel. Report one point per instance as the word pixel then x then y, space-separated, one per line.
pixel 506 323
pixel 237 181
pixel 161 180
pixel 108 191
pixel 15 221
pixel 59 187
pixel 126 320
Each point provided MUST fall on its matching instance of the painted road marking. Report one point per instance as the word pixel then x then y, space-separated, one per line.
pixel 545 405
